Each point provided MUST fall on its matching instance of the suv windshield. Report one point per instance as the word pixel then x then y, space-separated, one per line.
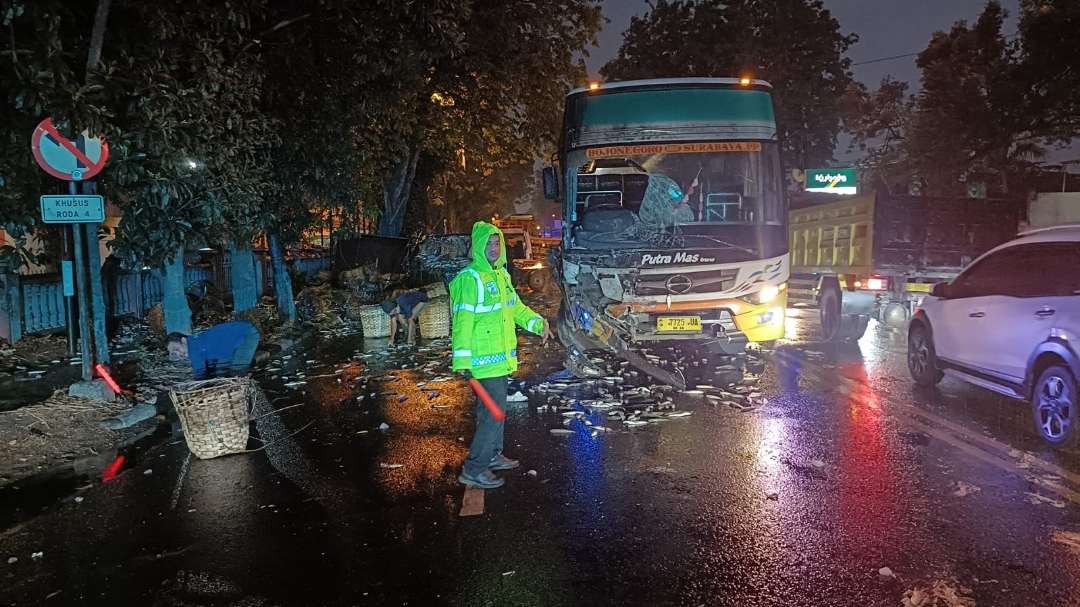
pixel 729 183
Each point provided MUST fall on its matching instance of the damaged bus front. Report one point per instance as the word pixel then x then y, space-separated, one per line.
pixel 674 214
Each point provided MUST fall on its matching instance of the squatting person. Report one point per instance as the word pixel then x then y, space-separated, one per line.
pixel 485 309
pixel 225 349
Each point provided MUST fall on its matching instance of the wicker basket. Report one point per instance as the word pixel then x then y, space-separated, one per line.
pixel 374 321
pixel 435 318
pixel 214 414
pixel 435 289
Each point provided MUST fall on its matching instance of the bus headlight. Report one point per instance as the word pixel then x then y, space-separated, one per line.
pixel 769 293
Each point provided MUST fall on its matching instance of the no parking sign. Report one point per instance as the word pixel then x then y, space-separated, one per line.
pixel 66 159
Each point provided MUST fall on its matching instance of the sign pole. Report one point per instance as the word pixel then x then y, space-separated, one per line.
pixel 84 306
pixel 67 272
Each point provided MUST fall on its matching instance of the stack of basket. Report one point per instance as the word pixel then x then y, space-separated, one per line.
pixel 215 414
pixel 435 318
pixel 374 321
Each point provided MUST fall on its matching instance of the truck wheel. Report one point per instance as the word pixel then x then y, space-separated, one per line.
pixel 829 306
pixel 922 358
pixel 1053 405
pixel 853 327
pixel 895 314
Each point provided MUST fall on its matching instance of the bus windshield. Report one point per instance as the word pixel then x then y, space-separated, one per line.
pixel 686 184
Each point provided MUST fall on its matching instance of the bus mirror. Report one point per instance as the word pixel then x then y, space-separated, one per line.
pixel 551 183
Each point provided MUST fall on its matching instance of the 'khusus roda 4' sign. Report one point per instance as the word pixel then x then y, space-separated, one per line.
pixel 831 181
pixel 75 208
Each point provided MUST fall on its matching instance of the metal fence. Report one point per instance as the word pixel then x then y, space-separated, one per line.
pixel 35 303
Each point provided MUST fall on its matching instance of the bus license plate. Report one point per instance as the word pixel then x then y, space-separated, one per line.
pixel 678 324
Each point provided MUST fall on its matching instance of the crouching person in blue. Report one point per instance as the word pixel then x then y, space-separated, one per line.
pixel 225 349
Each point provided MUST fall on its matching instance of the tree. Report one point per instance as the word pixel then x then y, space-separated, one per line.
pixel 796 45
pixel 496 102
pixel 41 74
pixel 190 144
pixel 1050 63
pixel 972 114
pixel 879 123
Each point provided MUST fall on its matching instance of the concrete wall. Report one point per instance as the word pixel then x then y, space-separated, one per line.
pixel 1054 208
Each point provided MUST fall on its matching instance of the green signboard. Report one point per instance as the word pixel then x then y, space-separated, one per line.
pixel 73 208
pixel 832 181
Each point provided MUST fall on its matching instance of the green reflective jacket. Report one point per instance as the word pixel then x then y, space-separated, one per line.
pixel 485 309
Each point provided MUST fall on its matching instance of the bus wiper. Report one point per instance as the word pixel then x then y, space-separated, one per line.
pixel 725 243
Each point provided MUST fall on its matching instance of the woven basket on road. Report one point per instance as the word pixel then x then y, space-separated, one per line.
pixel 435 289
pixel 215 414
pixel 435 318
pixel 374 321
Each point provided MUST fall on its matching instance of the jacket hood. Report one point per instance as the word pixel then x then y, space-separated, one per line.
pixel 482 232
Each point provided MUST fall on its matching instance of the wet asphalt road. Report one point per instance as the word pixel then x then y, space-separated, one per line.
pixel 846 469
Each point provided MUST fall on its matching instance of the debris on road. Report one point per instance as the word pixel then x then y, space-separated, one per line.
pixel 885 572
pixel 965 489
pixel 1038 499
pixel 1070 539
pixel 942 593
pixel 391 466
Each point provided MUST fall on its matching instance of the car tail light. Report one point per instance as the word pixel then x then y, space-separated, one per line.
pixel 876 284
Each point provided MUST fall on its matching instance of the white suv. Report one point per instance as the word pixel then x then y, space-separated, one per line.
pixel 1010 323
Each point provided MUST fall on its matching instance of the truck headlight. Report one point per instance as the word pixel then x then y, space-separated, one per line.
pixel 769 293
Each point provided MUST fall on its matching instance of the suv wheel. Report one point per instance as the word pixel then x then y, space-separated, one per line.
pixel 1054 404
pixel 921 357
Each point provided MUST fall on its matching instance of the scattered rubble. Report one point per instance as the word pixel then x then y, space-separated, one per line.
pixel 1069 539
pixel 942 593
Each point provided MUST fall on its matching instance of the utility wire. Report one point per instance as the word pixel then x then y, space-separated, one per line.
pixel 905 55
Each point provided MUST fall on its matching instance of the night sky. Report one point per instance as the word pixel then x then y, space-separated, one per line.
pixel 885 28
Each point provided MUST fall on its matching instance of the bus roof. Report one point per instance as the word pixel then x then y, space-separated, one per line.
pixel 669 81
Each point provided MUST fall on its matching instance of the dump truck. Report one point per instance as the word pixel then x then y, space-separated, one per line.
pixel 876 255
pixel 674 218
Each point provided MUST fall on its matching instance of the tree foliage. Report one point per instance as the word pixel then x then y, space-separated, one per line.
pixel 990 105
pixel 796 45
pixel 229 119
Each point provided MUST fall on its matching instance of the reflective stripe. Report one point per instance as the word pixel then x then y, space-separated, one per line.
pixel 479 284
pixel 532 323
pixel 462 352
pixel 490 359
pixel 477 309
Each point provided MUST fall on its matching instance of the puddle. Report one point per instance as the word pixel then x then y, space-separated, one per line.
pixel 37 494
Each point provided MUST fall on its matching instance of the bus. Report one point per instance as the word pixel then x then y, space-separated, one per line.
pixel 675 217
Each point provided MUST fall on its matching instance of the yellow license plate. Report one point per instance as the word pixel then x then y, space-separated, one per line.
pixel 678 324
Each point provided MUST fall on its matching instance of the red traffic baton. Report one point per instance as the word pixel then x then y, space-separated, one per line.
pixel 489 402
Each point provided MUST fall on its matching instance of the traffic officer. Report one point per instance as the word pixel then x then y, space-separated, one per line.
pixel 485 309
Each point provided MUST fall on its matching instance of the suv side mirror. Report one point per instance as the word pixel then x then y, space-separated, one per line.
pixel 551 183
pixel 941 290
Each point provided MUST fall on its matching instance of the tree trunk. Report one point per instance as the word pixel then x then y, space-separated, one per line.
pixel 396 195
pixel 282 281
pixel 244 287
pixel 97 35
pixel 175 304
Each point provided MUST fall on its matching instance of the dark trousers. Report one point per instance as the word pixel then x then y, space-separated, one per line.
pixel 488 440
